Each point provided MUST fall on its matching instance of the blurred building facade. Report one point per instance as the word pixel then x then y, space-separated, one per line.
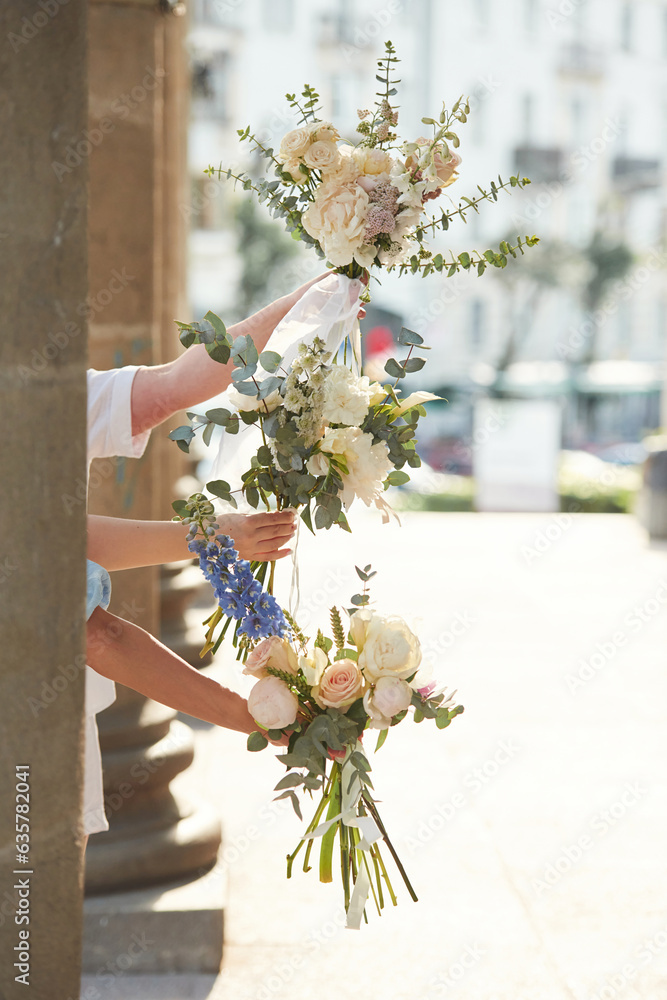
pixel 568 92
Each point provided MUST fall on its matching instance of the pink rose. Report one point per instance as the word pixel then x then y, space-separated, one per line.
pixel 272 704
pixel 446 167
pixel 387 697
pixel 340 686
pixel 272 652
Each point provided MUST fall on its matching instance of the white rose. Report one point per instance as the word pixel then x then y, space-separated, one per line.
pixel 346 397
pixel 318 464
pixel 313 666
pixel 389 649
pixel 387 697
pixel 272 704
pixel 272 652
pixel 321 155
pixel 341 441
pixel 414 399
pixel 337 220
pixel 341 684
pixel 247 403
pixel 294 145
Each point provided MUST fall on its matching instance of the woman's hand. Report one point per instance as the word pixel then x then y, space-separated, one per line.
pixel 260 537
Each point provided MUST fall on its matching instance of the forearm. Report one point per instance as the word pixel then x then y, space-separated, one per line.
pixel 129 655
pixel 120 543
pixel 162 390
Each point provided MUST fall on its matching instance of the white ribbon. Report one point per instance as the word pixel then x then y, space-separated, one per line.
pixel 329 310
pixel 351 789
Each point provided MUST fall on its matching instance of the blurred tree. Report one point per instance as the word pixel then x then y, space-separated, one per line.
pixel 267 255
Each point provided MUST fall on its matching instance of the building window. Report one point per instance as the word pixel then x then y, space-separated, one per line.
pixel 278 15
pixel 476 334
pixel 627 25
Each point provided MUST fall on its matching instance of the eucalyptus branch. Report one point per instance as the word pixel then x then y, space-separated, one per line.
pixel 468 203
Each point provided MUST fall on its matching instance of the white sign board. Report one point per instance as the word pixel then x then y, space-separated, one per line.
pixel 516 446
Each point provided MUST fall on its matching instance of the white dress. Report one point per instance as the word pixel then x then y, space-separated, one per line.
pixel 109 435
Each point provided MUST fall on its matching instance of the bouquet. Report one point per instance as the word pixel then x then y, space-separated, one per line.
pixel 305 428
pixel 366 205
pixel 324 695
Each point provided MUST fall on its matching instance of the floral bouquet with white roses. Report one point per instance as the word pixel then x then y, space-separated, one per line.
pixel 325 695
pixel 364 205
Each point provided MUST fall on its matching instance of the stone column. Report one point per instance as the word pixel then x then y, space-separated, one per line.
pixel 43 249
pixel 138 97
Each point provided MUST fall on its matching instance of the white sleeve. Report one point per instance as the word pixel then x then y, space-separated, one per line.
pixel 110 415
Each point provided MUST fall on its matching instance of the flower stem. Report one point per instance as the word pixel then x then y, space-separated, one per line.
pixel 370 804
pixel 311 826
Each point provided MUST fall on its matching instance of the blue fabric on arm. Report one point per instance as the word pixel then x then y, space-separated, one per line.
pixel 98 591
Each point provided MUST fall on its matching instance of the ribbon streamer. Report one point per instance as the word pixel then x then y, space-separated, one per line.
pixel 351 789
pixel 329 310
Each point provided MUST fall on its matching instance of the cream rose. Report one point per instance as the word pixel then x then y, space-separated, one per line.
pixel 293 168
pixel 337 220
pixel 272 704
pixel 373 162
pixel 321 155
pixel 389 649
pixel 323 131
pixel 385 699
pixel 272 652
pixel 367 463
pixel 341 684
pixel 344 170
pixel 294 145
pixel 446 168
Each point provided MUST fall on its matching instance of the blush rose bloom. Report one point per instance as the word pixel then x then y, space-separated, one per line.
pixel 373 162
pixel 344 170
pixel 387 646
pixel 387 697
pixel 341 684
pixel 293 168
pixel 321 155
pixel 294 145
pixel 272 652
pixel 272 704
pixel 337 220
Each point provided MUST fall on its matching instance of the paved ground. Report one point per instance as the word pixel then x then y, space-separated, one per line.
pixel 534 829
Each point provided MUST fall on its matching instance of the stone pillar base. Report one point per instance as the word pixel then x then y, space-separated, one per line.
pixel 173 929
